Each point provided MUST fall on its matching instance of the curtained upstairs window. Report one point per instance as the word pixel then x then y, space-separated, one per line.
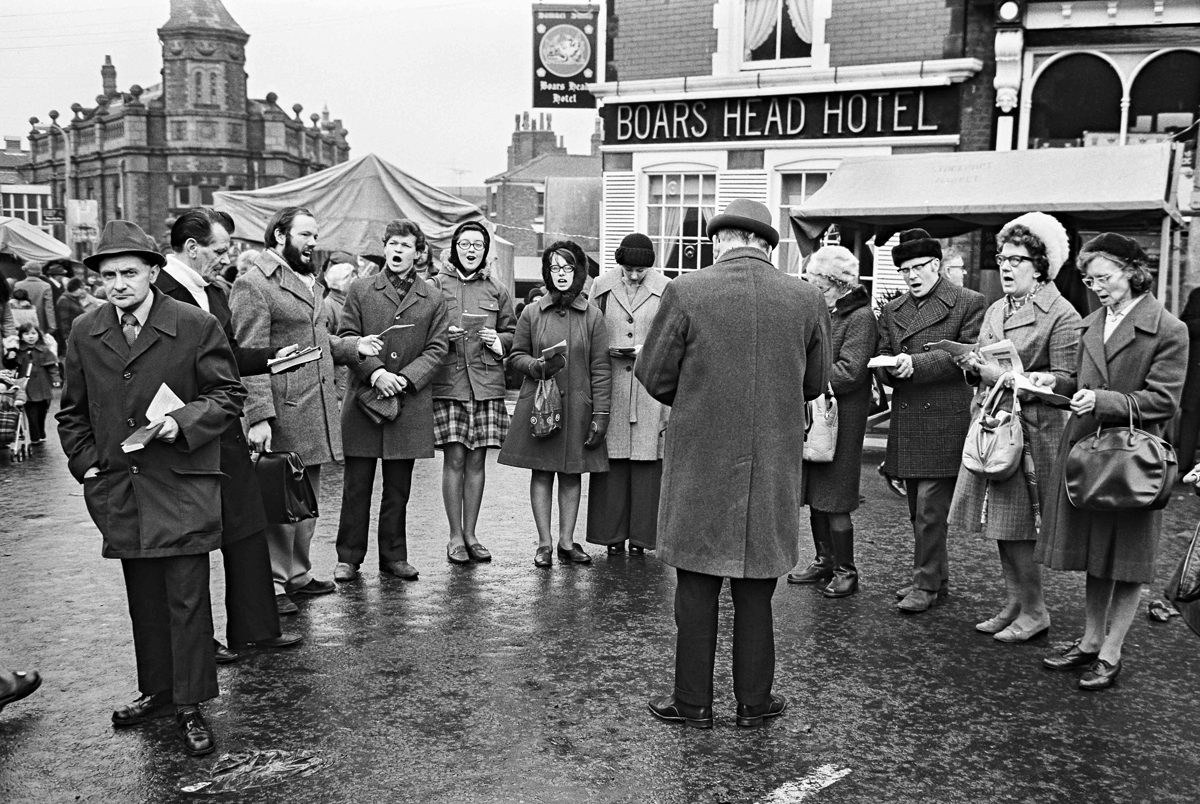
pixel 777 30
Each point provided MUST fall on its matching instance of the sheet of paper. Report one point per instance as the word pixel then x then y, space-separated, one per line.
pixel 164 402
pixel 953 347
pixel 1022 383
pixel 882 361
pixel 1004 354
pixel 395 326
pixel 559 348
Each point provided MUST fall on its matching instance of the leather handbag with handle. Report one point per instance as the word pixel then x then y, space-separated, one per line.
pixel 820 439
pixel 1121 468
pixel 1185 586
pixel 286 493
pixel 995 439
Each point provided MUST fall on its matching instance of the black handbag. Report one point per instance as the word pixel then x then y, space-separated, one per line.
pixel 1185 586
pixel 1121 468
pixel 286 493
pixel 379 409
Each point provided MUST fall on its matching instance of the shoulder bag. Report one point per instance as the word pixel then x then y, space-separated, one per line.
pixel 1121 468
pixel 995 439
pixel 1187 588
pixel 820 437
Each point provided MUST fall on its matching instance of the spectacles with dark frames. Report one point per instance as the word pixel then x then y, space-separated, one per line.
pixel 561 269
pixel 1013 260
pixel 469 245
pixel 917 267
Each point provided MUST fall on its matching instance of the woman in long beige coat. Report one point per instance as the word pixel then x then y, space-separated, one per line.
pixel 623 502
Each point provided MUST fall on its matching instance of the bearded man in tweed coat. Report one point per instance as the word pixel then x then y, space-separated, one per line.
pixel 930 403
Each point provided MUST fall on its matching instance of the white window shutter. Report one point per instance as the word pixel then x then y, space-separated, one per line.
pixel 750 184
pixel 619 214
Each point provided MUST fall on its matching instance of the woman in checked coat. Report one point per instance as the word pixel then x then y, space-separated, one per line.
pixel 1043 327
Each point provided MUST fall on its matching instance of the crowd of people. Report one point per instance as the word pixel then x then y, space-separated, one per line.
pixel 684 401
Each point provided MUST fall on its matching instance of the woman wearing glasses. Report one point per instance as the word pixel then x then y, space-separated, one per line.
pixel 1132 347
pixel 584 380
pixel 469 415
pixel 1043 327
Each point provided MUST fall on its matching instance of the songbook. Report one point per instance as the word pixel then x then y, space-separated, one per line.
pixel 394 326
pixel 624 351
pixel 1004 354
pixel 1022 383
pixel 141 437
pixel 882 361
pixel 277 365
pixel 472 323
pixel 559 348
pixel 164 402
pixel 954 348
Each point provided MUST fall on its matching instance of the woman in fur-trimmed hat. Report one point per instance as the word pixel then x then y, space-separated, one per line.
pixel 584 380
pixel 1043 327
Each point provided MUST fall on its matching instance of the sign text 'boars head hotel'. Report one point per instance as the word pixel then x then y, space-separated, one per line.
pixel 878 113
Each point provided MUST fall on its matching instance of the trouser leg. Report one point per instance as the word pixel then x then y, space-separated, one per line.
pixel 645 487
pixel 696 600
pixel 929 504
pixel 608 504
pixel 358 478
pixel 393 510
pixel 145 589
pixel 251 614
pixel 194 667
pixel 753 639
pixel 301 572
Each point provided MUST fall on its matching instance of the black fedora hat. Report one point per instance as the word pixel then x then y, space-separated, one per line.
pixel 124 237
pixel 751 216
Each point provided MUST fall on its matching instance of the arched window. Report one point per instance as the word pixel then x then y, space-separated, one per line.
pixel 199 96
pixel 1076 93
pixel 1166 93
pixel 213 96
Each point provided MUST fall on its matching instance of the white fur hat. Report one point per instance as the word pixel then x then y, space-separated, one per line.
pixel 1047 229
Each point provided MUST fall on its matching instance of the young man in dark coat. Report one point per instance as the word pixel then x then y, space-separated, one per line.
pixel 735 349
pixel 930 403
pixel 158 508
pixel 200 251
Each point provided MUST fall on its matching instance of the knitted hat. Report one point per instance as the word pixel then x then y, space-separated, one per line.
pixel 1047 229
pixel 751 216
pixel 1117 247
pixel 635 251
pixel 915 243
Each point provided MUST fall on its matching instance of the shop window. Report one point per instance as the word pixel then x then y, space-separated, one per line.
pixel 678 208
pixel 795 189
pixel 777 30
pixel 1075 94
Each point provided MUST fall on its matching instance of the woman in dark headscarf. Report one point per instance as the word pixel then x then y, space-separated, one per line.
pixel 583 378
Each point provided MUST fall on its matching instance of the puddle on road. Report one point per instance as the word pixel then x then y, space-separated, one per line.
pixel 249 770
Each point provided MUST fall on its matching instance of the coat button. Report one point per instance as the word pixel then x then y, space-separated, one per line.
pixel 926 406
pixel 628 334
pixel 903 406
pixel 903 348
pixel 130 423
pixel 394 355
pixel 134 469
pixel 630 319
pixel 127 375
pixel 629 368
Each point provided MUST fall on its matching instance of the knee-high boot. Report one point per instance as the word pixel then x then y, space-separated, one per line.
pixel 845 575
pixel 821 569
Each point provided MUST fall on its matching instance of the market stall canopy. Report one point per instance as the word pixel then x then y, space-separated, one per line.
pixel 952 193
pixel 353 202
pixel 28 242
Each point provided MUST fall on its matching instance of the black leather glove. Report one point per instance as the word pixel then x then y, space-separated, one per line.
pixel 597 430
pixel 545 369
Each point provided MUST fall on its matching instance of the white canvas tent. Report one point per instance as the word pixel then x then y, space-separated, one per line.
pixel 353 202
pixel 28 242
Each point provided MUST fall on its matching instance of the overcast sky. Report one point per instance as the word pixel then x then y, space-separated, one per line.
pixel 429 85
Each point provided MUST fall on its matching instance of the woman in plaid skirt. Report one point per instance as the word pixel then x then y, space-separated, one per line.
pixel 469 415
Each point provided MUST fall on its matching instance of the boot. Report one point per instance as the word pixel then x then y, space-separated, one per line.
pixel 845 575
pixel 821 569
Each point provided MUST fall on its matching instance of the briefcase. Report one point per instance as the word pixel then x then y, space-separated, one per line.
pixel 286 493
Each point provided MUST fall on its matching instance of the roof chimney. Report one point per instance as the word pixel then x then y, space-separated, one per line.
pixel 108 78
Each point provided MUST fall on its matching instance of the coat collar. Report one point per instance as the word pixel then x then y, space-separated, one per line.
pixel 654 283
pixel 578 303
pixel 744 252
pixel 269 263
pixel 383 284
pixel 163 319
pixel 1144 317
pixel 912 319
pixel 1043 300
pixel 448 269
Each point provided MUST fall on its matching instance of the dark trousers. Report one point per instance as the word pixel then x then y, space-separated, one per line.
pixel 35 413
pixel 358 478
pixel 250 608
pixel 623 503
pixel 1185 441
pixel 696 602
pixel 928 508
pixel 172 626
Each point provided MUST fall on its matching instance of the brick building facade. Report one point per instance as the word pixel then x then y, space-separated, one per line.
pixel 147 154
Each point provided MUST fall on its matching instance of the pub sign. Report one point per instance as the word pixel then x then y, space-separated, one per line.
pixel 564 56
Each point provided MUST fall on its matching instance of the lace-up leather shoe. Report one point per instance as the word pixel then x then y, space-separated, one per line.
pixel 917 601
pixel 314 587
pixel 147 707
pixel 401 569
pixel 197 736
pixel 285 605
pixel 345 572
pixel 666 708
pixel 224 655
pixel 1100 676
pixel 284 640
pixel 16 684
pixel 1071 659
pixel 752 716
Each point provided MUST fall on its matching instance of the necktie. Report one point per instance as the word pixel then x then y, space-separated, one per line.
pixel 129 326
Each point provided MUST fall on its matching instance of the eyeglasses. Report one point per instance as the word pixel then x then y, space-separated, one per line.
pixel 470 245
pixel 1090 282
pixel 561 269
pixel 917 267
pixel 1012 260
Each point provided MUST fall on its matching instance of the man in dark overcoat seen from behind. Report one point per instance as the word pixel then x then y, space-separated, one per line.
pixel 931 403
pixel 157 508
pixel 735 349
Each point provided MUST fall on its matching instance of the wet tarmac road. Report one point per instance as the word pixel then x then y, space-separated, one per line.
pixel 502 682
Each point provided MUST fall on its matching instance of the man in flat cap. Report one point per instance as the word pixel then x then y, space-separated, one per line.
pixel 930 403
pixel 735 349
pixel 158 508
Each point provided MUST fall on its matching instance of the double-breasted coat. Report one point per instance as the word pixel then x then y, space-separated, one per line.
pixel 1045 333
pixel 415 352
pixel 241 499
pixel 584 386
pixel 833 487
pixel 638 420
pixel 272 307
pixel 931 409
pixel 470 369
pixel 735 350
pixel 1146 357
pixel 165 499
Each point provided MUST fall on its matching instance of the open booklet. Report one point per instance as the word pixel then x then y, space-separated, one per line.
pixel 1003 354
pixel 165 401
pixel 559 348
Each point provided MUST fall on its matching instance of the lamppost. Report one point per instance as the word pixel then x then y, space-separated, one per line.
pixel 68 157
